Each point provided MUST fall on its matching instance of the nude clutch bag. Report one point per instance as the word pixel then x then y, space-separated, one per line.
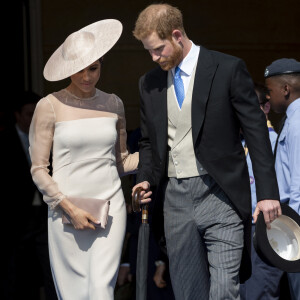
pixel 98 208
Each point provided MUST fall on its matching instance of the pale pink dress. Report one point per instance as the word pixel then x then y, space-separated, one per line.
pixel 87 141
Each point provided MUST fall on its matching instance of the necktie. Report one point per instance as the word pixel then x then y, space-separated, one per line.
pixel 279 131
pixel 179 87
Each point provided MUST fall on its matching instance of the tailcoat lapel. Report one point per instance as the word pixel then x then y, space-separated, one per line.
pixel 160 116
pixel 205 72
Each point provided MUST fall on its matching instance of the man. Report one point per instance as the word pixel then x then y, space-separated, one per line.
pixel 192 159
pixel 282 79
pixel 24 217
pixel 264 282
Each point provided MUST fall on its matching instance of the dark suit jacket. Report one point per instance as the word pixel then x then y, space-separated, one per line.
pixel 17 190
pixel 223 101
pixel 23 226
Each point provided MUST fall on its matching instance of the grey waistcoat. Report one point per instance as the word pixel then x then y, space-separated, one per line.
pixel 182 160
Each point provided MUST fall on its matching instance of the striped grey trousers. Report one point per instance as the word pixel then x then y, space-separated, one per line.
pixel 204 237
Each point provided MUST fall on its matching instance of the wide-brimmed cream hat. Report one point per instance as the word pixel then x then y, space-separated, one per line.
pixel 82 48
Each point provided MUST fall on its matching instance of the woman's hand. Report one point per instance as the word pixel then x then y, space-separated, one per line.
pixel 80 218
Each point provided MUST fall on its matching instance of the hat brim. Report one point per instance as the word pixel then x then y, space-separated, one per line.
pixel 264 249
pixel 107 32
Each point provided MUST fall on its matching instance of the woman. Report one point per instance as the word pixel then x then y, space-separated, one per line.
pixel 84 130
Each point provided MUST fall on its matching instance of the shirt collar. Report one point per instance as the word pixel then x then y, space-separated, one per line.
pixel 293 107
pixel 188 63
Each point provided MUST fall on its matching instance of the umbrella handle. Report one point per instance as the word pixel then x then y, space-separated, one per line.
pixel 136 204
pixel 135 199
pixel 145 213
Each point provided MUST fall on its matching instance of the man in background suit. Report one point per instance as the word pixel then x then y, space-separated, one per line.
pixel 24 214
pixel 191 157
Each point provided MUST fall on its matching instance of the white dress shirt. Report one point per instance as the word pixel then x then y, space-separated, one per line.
pixel 287 163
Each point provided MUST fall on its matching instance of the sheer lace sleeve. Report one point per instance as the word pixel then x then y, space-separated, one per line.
pixel 126 163
pixel 40 139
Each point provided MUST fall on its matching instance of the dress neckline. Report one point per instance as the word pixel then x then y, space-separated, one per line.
pixel 82 99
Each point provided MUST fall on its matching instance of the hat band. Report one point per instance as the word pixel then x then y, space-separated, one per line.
pixel 282 73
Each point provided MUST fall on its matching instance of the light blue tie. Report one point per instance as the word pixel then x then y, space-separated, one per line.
pixel 179 87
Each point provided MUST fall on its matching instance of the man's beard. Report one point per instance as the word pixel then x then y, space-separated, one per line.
pixel 173 60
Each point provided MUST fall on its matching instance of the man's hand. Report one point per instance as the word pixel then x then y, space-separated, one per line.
pixel 159 276
pixel 124 275
pixel 144 195
pixel 271 210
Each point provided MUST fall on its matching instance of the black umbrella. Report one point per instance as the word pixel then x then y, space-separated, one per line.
pixel 142 249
